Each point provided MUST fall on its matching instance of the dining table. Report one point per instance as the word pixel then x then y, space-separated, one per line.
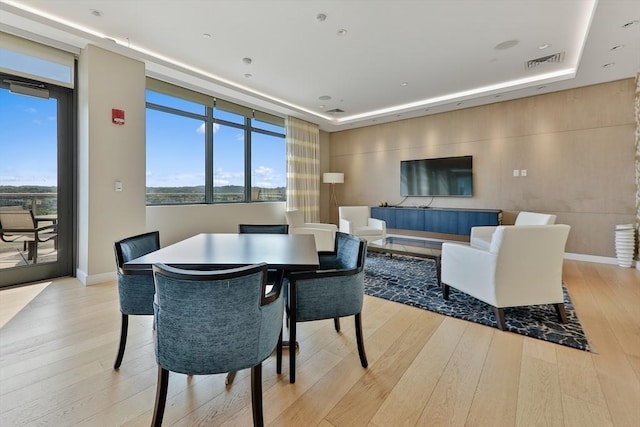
pixel 287 252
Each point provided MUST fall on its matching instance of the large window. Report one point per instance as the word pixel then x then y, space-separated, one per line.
pixel 206 150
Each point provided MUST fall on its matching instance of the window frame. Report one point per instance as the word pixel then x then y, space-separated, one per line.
pixel 211 105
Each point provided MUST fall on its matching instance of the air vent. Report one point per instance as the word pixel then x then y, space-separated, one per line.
pixel 335 110
pixel 555 58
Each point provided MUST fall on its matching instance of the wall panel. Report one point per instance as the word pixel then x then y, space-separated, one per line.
pixel 576 145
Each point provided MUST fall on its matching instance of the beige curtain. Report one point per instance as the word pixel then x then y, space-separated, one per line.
pixel 303 168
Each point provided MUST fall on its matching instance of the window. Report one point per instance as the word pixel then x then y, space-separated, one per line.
pixel 206 150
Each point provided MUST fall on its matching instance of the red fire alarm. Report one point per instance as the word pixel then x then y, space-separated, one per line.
pixel 117 116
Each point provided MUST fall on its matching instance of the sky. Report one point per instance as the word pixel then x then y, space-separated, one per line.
pixel 28 140
pixel 175 148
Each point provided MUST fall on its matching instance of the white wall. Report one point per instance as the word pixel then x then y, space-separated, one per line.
pixel 108 153
pixel 176 223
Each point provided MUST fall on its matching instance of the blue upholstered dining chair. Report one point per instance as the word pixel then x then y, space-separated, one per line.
pixel 334 291
pixel 211 322
pixel 135 289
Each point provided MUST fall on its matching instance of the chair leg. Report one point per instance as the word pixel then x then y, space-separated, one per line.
pixel 445 291
pixel 499 312
pixel 360 341
pixel 336 323
pixel 279 354
pixel 256 395
pixel 123 341
pixel 292 350
pixel 562 315
pixel 161 397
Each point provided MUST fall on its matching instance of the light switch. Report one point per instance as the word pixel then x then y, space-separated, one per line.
pixel 118 186
pixel 516 172
pixel 523 172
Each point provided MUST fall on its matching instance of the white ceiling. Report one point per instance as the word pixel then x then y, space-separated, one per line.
pixel 444 50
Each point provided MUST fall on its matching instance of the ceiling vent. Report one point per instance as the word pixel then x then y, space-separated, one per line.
pixel 335 111
pixel 555 58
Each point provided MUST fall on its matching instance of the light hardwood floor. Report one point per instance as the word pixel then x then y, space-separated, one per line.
pixel 56 357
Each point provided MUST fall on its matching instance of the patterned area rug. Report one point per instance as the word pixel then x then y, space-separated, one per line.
pixel 412 281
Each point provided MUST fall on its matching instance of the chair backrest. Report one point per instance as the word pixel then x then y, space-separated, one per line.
pixel 263 228
pixel 16 218
pixel 533 218
pixel 136 246
pixel 335 292
pixel 358 215
pixel 350 253
pixel 529 262
pixel 295 218
pixel 135 291
pixel 211 322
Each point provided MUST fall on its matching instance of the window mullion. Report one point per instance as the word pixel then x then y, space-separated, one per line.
pixel 208 187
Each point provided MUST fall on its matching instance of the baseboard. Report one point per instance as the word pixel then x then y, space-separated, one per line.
pixel 597 259
pixel 95 278
pixel 567 255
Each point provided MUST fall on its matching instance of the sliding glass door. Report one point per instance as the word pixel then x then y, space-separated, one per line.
pixel 36 181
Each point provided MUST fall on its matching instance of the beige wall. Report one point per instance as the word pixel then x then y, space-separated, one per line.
pixel 577 147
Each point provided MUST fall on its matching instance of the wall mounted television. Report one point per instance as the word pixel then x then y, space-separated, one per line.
pixel 447 176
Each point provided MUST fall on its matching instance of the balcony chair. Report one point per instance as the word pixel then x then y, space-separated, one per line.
pixel 481 236
pixel 212 322
pixel 324 234
pixel 357 220
pixel 335 292
pixel 19 225
pixel 135 288
pixel 523 266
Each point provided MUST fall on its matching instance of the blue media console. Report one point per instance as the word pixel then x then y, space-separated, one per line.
pixel 436 220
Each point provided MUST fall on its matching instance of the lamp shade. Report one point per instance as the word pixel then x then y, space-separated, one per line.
pixel 333 178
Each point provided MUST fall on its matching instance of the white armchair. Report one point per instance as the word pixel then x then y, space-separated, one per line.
pixel 324 234
pixel 357 220
pixel 523 266
pixel 481 236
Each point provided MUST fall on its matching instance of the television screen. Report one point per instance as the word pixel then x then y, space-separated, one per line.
pixel 449 176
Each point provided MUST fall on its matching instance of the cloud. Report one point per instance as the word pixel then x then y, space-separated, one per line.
pixel 267 177
pixel 202 127
pixel 222 177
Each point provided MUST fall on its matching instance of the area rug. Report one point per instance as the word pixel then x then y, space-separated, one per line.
pixel 412 281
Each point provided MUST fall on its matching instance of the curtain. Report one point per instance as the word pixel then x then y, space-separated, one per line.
pixel 303 168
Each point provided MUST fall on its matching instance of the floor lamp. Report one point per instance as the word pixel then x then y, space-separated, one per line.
pixel 333 178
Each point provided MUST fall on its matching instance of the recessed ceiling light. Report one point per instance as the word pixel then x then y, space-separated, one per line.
pixel 321 17
pixel 506 45
pixel 247 60
pixel 609 65
pixel 459 103
pixel 342 32
pixel 96 12
pixel 403 84
pixel 248 75
pixel 206 35
pixel 324 98
pixel 541 87
pixel 544 46
pixel 630 24
pixel 497 96
pixel 617 47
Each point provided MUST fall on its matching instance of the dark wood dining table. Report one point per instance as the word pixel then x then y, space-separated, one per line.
pixel 288 252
